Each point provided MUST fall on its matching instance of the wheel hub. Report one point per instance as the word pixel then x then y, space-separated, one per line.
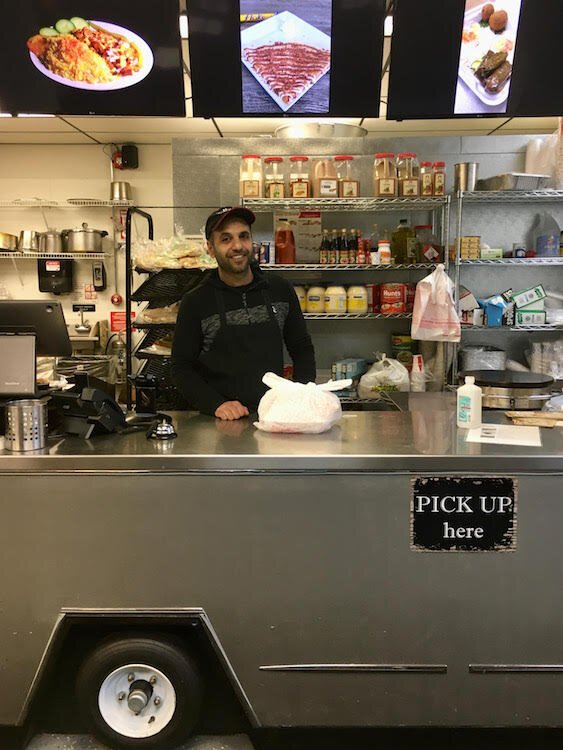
pixel 139 696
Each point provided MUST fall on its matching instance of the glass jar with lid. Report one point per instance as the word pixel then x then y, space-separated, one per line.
pixel 299 182
pixel 439 168
pixel 348 185
pixel 426 178
pixel 250 176
pixel 408 172
pixel 284 242
pixel 384 175
pixel 274 180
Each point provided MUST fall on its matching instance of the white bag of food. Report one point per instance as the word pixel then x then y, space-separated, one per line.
pixel 434 316
pixel 384 375
pixel 295 407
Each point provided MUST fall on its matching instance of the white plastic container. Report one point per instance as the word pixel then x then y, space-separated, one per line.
pixel 469 398
pixel 546 235
pixel 335 299
pixel 316 299
pixel 357 299
pixel 250 184
pixel 301 296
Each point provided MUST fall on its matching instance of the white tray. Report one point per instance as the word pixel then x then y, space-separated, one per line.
pixel 284 27
pixel 471 51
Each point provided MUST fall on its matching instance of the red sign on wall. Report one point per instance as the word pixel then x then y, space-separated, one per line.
pixel 117 320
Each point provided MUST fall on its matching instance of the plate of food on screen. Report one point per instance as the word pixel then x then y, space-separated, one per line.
pixel 91 55
pixel 287 56
pixel 487 49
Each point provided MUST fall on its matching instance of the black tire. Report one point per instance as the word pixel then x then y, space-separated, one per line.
pixel 161 653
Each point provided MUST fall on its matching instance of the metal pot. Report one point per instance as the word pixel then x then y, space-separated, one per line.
pixel 85 240
pixel 50 241
pixel 504 389
pixel 8 242
pixel 28 241
pixel 120 191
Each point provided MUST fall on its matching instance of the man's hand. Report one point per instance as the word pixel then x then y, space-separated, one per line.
pixel 231 410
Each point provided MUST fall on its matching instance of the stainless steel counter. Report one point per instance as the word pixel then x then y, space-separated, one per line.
pixel 424 438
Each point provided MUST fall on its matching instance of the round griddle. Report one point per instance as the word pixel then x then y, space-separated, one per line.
pixel 510 379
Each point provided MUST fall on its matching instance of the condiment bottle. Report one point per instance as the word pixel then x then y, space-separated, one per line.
pixel 348 186
pixel 403 243
pixel 325 181
pixel 316 299
pixel 384 252
pixel 335 299
pixel 299 183
pixel 324 251
pixel 301 296
pixel 469 398
pixel 408 173
pixel 426 178
pixel 284 242
pixel 439 168
pixel 250 184
pixel 357 299
pixel 344 255
pixel 384 175
pixel 274 182
pixel 334 250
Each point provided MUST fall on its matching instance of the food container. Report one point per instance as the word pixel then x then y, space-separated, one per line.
pixel 384 175
pixel 50 241
pixel 250 176
pixel 301 296
pixel 26 424
pixel 8 242
pixel 439 184
pixel 316 299
pixel 426 178
pixel 408 172
pixel 335 300
pixel 325 181
pixel 357 301
pixel 348 185
pixel 84 240
pixel 465 176
pixel 393 298
pixel 28 241
pixel 299 183
pixel 120 191
pixel 274 180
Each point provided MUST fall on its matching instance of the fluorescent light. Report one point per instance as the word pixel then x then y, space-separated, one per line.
pixel 28 114
pixel 183 25
pixel 388 26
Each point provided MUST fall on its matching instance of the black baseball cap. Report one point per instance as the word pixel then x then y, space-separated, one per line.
pixel 219 216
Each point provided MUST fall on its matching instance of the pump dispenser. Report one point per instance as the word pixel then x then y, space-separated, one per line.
pixel 469 404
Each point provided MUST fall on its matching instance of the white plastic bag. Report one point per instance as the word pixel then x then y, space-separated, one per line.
pixel 384 375
pixel 295 407
pixel 434 316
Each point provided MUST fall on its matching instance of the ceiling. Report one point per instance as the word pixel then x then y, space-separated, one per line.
pixel 71 130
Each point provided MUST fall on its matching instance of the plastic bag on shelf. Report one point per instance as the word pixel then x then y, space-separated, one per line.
pixel 166 314
pixel 295 407
pixel 179 251
pixel 434 316
pixel 384 375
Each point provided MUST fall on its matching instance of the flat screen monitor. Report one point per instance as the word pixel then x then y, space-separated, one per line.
pixel 297 58
pixel 44 319
pixel 93 57
pixel 470 58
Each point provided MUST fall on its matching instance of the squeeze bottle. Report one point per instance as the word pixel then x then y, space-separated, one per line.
pixel 469 404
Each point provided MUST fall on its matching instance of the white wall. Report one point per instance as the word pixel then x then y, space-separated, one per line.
pixel 60 172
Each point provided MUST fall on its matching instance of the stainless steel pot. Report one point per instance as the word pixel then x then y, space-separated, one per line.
pixel 84 240
pixel 8 242
pixel 28 241
pixel 120 191
pixel 50 241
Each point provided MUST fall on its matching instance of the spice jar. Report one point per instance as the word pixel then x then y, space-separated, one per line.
pixel 325 181
pixel 426 178
pixel 408 173
pixel 299 183
pixel 316 299
pixel 384 175
pixel 274 182
pixel 439 169
pixel 284 242
pixel 348 186
pixel 250 176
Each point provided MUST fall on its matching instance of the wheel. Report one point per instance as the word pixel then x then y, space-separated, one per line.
pixel 139 692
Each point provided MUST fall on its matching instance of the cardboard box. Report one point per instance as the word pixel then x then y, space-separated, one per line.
pixel 467 300
pixel 491 253
pixel 530 317
pixel 494 310
pixel 526 296
pixel 539 304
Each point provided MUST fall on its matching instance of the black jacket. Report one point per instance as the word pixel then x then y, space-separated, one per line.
pixel 222 357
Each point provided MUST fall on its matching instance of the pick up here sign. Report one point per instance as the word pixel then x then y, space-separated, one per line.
pixel 469 514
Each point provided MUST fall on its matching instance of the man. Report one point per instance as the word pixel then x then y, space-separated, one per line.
pixel 231 328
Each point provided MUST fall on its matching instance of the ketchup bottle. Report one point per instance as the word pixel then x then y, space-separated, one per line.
pixel 285 242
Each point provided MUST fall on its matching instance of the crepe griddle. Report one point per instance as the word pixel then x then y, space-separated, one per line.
pixel 510 379
pixel 505 389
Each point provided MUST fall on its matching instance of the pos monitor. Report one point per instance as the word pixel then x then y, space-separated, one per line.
pixel 28 328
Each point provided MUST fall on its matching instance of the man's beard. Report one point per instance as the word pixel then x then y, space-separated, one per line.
pixel 229 266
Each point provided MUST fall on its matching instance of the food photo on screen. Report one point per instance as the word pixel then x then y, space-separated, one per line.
pixel 95 55
pixel 488 44
pixel 286 55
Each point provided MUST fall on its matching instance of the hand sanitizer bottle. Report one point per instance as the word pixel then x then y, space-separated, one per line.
pixel 469 404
